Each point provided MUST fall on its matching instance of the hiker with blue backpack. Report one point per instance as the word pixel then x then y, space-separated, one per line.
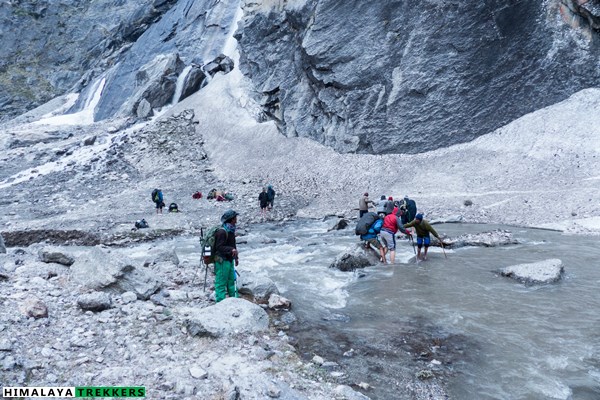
pixel 157 198
pixel 226 256
pixel 370 238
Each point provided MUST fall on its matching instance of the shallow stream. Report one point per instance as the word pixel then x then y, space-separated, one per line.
pixel 482 336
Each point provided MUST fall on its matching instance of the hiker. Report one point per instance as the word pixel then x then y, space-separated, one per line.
pixel 381 206
pixel 157 198
pixel 391 225
pixel 363 204
pixel 263 201
pixel 270 196
pixel 389 206
pixel 225 256
pixel 370 238
pixel 423 229
pixel 409 210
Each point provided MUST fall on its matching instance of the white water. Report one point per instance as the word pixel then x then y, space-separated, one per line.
pixel 506 340
pixel 83 117
pixel 180 82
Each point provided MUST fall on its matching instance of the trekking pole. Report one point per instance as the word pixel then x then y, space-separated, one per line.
pixel 442 246
pixel 414 250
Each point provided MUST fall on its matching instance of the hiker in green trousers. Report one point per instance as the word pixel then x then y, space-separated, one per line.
pixel 225 256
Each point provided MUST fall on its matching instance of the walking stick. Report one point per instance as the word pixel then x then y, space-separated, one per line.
pixel 414 250
pixel 442 246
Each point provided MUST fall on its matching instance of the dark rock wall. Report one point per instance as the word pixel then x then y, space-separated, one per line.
pixel 49 46
pixel 399 76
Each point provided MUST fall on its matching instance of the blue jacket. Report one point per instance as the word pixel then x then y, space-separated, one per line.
pixel 373 230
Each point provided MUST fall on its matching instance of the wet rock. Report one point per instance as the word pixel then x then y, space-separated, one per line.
pixel 351 261
pixel 53 256
pixel 318 360
pixel 485 239
pixel 232 315
pixel 96 301
pixel 277 302
pixel 99 270
pixel 339 225
pixel 424 374
pixel 221 63
pixel 259 286
pixel 547 271
pixel 34 307
pixel 2 245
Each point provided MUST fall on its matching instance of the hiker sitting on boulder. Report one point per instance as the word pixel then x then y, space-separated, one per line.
pixel 423 229
pixel 225 256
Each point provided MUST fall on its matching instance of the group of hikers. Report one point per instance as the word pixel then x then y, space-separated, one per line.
pixel 378 229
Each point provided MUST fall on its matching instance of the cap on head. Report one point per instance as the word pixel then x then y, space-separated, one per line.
pixel 419 217
pixel 366 194
pixel 390 198
pixel 383 197
pixel 228 216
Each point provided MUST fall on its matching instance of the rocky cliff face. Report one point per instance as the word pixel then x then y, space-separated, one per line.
pixel 395 76
pixel 367 77
pixel 51 47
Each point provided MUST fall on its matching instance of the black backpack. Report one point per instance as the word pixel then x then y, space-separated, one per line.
pixel 365 222
pixel 141 223
pixel 154 195
pixel 173 207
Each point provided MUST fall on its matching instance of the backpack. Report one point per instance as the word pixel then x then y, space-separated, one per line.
pixel 376 227
pixel 141 223
pixel 207 243
pixel 365 222
pixel 154 195
pixel 173 207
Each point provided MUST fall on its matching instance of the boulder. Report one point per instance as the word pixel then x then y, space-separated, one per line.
pixel 99 270
pixel 96 301
pixel 277 302
pixel 540 272
pixel 221 63
pixel 484 239
pixel 54 256
pixel 193 82
pixel 453 219
pixel 339 225
pixel 34 307
pixel 346 392
pixel 259 286
pixel 144 109
pixel 2 245
pixel 230 316
pixel 360 257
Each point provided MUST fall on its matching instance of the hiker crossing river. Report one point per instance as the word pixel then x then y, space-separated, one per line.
pixel 478 334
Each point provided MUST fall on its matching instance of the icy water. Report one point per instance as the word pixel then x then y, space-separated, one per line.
pixel 483 336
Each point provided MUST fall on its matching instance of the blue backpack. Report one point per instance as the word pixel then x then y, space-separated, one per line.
pixel 376 227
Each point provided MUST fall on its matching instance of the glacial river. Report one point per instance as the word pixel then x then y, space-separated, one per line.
pixel 482 336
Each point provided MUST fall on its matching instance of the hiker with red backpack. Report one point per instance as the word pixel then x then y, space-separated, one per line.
pixel 226 256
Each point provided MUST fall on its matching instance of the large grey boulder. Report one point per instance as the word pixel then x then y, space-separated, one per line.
pixel 34 307
pixel 230 316
pixel 49 255
pixel 100 270
pixel 2 245
pixel 359 257
pixel 259 286
pixel 547 271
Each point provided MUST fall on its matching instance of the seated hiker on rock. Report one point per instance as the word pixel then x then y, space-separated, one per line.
pixel 423 229
pixel 225 256
pixel 370 238
pixel 391 225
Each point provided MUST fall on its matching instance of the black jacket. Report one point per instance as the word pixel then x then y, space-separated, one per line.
pixel 224 244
